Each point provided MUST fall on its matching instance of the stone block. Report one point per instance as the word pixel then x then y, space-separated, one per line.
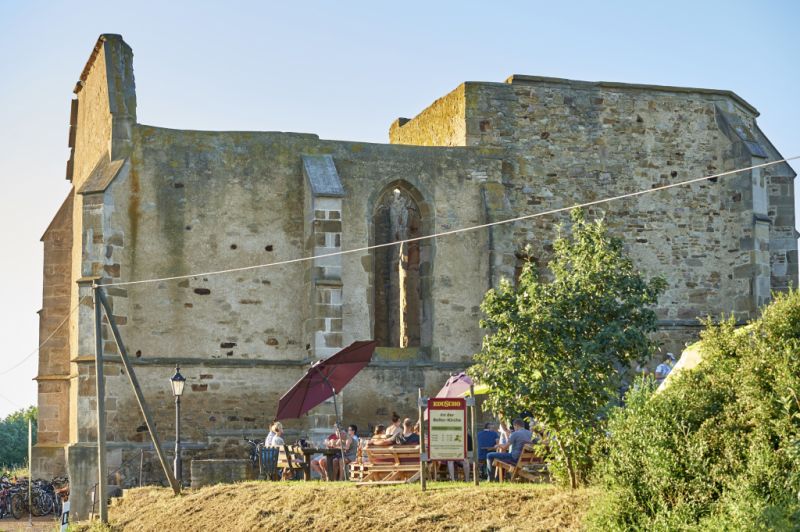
pixel 209 472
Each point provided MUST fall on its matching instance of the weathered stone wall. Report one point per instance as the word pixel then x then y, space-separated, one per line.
pixel 440 124
pixel 571 142
pixel 209 472
pixel 200 201
pixel 53 374
pixel 93 131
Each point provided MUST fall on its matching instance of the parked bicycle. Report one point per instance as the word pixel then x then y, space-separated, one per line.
pixel 14 497
pixel 255 449
pixel 5 497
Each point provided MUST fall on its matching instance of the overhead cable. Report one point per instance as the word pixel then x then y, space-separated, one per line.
pixel 450 232
pixel 408 240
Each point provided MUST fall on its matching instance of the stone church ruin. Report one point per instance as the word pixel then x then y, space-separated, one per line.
pixel 149 202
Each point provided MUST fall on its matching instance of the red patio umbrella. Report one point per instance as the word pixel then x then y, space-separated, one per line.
pixel 455 386
pixel 325 379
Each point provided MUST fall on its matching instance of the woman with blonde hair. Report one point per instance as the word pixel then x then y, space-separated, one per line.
pixel 277 440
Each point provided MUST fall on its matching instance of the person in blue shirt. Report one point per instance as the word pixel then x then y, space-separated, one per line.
pixel 487 441
pixel 516 441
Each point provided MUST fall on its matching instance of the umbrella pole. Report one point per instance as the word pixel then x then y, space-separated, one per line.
pixel 338 422
pixel 339 429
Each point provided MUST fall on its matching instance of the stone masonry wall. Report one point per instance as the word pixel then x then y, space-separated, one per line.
pixel 571 142
pixel 440 124
pixel 53 375
pixel 93 132
pixel 198 201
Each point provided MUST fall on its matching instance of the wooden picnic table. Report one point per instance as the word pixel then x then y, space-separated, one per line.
pixel 330 454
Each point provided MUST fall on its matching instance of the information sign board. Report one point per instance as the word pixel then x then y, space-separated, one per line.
pixel 447 429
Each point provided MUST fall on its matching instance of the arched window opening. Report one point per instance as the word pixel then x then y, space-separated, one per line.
pixel 398 301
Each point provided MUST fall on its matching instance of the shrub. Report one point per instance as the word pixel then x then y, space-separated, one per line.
pixel 719 448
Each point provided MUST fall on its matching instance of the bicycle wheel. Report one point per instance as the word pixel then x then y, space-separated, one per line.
pixel 42 504
pixel 19 506
pixel 51 504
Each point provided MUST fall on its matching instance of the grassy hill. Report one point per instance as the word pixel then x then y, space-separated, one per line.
pixel 300 506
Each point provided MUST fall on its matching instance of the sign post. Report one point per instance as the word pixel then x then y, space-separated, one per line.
pixel 422 455
pixel 447 429
pixel 65 517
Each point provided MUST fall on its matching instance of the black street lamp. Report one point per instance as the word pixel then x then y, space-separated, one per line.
pixel 178 381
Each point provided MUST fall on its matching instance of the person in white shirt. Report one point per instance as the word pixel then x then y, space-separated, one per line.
pixel 277 440
pixel 663 369
pixel 270 436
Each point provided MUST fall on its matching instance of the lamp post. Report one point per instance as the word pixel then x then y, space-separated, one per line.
pixel 178 381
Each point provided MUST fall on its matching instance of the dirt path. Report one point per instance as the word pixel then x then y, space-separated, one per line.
pixel 40 524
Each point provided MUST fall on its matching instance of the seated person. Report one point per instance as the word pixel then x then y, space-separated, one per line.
pixel 320 465
pixel 350 448
pixel 378 434
pixel 487 442
pixel 516 441
pixel 406 437
pixel 394 426
pixel 268 440
pixel 277 439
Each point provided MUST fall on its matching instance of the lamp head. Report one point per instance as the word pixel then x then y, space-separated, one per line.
pixel 177 381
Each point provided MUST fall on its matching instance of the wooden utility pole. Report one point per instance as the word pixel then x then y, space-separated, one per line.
pixel 148 419
pixel 422 451
pixel 100 391
pixel 475 449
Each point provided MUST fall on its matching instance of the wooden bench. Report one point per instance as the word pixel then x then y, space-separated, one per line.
pixel 396 464
pixel 360 467
pixel 291 460
pixel 529 466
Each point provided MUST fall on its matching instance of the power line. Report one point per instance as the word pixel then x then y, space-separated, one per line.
pixel 453 231
pixel 415 239
pixel 29 355
pixel 9 401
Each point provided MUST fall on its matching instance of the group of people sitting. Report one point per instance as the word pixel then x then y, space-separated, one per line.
pixel 396 433
pixel 494 444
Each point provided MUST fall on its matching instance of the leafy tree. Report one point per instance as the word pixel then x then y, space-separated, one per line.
pixel 14 437
pixel 560 349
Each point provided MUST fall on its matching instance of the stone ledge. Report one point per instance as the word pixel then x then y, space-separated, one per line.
pixel 50 445
pixel 64 377
pixel 194 361
pixel 208 472
pixel 255 363
pixel 522 78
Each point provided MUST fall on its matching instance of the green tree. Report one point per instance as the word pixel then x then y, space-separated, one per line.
pixel 14 437
pixel 561 349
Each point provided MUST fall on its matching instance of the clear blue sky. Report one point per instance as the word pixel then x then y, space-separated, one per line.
pixel 343 70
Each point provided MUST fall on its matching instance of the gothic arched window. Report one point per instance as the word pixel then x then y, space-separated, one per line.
pixel 400 270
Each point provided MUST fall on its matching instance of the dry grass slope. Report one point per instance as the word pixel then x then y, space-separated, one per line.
pixel 299 506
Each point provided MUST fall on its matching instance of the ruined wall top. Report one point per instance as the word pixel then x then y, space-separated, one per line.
pixel 452 120
pixel 103 113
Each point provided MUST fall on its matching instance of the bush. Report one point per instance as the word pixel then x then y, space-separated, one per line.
pixel 719 448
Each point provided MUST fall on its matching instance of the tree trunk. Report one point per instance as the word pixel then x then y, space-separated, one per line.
pixel 573 479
